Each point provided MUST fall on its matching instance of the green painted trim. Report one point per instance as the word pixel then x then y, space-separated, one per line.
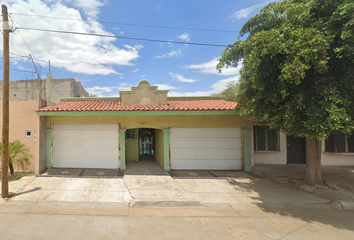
pixel 155 88
pixel 247 146
pixel 49 148
pixel 166 149
pixel 136 113
pixel 89 99
pixel 122 149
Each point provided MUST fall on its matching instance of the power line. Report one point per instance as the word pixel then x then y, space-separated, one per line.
pixel 114 36
pixel 129 24
pixel 26 44
pixel 19 70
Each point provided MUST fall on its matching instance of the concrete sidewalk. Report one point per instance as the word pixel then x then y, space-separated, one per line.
pixel 338 181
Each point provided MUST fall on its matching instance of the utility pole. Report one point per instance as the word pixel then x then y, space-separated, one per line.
pixel 5 105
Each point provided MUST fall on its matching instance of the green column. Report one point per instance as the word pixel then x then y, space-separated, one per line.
pixel 166 149
pixel 49 148
pixel 122 149
pixel 247 144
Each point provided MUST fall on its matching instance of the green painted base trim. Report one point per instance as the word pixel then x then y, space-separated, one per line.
pixel 136 113
pixel 49 148
pixel 248 169
pixel 166 149
pixel 122 149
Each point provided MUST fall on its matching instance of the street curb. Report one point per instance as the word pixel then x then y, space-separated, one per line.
pixel 343 205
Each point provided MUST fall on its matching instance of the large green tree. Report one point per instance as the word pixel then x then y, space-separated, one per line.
pixel 298 71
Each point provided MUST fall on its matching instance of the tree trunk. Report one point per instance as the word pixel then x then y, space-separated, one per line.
pixel 313 161
pixel 11 168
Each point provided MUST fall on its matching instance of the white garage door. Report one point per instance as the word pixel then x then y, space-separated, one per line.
pixel 85 145
pixel 206 148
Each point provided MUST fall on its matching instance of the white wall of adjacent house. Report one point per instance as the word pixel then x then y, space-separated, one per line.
pixel 276 157
pixel 336 159
pixel 205 148
pixel 85 146
pixel 333 159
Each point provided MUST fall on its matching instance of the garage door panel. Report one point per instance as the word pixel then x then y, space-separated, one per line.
pixel 96 143
pixel 85 145
pixel 206 148
pixel 84 134
pixel 99 127
pixel 212 164
pixel 79 162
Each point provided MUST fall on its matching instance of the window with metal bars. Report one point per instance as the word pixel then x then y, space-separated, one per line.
pixel 265 139
pixel 339 143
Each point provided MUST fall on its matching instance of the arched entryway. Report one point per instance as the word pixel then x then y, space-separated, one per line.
pixel 146 144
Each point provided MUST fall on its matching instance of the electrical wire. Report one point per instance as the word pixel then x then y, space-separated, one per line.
pixel 19 70
pixel 27 45
pixel 114 36
pixel 129 24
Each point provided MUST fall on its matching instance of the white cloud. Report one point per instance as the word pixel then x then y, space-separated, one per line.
pixel 216 87
pixel 165 86
pixel 74 53
pixel 180 78
pixel 89 7
pixel 210 68
pixel 244 13
pixel 174 53
pixel 135 70
pixel 185 37
pixel 109 91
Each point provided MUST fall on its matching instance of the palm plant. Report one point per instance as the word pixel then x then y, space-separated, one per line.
pixel 18 153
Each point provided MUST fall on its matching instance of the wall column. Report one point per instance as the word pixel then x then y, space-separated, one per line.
pixel 122 148
pixel 166 149
pixel 49 148
pixel 247 140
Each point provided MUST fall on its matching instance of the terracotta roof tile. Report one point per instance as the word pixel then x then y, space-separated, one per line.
pixel 115 105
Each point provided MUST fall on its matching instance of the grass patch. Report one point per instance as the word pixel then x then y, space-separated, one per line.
pixel 18 175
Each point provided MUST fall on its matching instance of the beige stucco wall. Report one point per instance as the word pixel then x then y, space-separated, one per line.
pixel 159 122
pixel 23 117
pixel 144 96
pixel 336 159
pixel 132 148
pixel 159 147
pixel 273 157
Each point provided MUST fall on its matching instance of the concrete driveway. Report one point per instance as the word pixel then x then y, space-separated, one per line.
pixel 162 207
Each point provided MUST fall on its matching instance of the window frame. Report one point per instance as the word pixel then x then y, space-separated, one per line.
pixel 130 138
pixel 266 140
pixel 332 144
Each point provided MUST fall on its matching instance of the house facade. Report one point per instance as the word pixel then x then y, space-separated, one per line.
pixel 27 96
pixel 179 133
pixel 144 124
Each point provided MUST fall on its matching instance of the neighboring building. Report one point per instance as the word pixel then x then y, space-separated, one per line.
pixel 60 88
pixel 145 124
pixel 25 124
pixel 273 147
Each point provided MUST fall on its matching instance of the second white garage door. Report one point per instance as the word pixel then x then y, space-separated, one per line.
pixel 85 145
pixel 205 148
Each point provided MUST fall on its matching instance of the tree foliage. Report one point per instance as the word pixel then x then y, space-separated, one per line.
pixel 297 66
pixel 229 93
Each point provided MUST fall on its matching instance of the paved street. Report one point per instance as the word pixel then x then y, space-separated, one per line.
pixel 162 207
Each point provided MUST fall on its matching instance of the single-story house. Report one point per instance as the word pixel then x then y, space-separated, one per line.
pixel 199 133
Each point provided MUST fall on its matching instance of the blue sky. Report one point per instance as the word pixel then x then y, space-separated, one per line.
pixel 106 66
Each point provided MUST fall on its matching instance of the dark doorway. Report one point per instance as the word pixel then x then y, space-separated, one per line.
pixel 146 144
pixel 296 150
